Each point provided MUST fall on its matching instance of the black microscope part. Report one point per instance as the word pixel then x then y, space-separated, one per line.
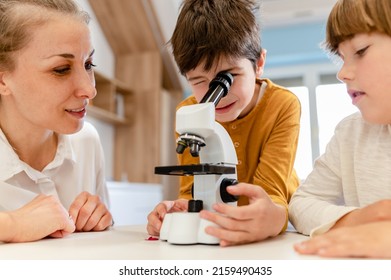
pixel 195 169
pixel 195 206
pixel 218 88
pixel 225 196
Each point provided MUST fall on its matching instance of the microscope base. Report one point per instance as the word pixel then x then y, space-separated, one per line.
pixel 185 228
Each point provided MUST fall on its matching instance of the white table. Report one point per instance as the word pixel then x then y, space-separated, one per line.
pixel 129 243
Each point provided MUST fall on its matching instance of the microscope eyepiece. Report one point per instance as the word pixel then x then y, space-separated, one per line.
pixel 218 88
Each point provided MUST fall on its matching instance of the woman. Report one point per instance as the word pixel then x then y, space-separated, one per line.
pixel 46 82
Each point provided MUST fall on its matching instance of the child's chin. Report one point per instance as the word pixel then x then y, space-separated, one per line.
pixel 225 118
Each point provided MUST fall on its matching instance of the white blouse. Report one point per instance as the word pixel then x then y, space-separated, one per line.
pixel 78 166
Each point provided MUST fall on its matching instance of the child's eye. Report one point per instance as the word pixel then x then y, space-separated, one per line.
pixel 197 83
pixel 362 51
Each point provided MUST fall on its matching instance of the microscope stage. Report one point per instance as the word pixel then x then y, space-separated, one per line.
pixel 195 169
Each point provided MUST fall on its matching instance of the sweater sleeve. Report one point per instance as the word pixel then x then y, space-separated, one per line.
pixel 317 204
pixel 275 172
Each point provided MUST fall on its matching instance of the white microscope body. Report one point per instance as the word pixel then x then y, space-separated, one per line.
pixel 205 137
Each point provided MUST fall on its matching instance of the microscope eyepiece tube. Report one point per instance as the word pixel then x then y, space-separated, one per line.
pixel 218 88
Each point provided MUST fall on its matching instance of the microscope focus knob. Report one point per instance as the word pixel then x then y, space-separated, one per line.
pixel 225 196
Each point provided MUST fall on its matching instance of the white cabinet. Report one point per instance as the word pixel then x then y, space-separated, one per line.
pixel 130 203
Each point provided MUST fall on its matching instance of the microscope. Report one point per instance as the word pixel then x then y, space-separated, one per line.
pixel 208 140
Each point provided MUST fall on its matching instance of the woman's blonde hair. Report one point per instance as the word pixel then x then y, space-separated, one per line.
pixel 17 17
pixel 350 17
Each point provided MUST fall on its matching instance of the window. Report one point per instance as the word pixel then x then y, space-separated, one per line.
pixel 303 163
pixel 324 102
pixel 332 105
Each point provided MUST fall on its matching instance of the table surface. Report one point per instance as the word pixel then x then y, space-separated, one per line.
pixel 131 242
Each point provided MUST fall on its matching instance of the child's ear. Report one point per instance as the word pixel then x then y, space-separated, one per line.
pixel 261 63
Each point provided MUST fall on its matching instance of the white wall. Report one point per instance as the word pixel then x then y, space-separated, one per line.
pixel 130 203
pixel 104 55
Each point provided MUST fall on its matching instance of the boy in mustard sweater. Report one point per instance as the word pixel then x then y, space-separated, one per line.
pixel 262 119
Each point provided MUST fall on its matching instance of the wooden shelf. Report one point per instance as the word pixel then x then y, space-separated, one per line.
pixel 131 29
pixel 122 88
pixel 105 105
pixel 105 116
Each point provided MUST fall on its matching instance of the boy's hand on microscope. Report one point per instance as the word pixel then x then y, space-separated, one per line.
pixel 155 218
pixel 261 219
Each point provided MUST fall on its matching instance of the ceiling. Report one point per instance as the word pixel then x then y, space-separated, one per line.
pixel 125 24
pixel 133 26
pixel 286 12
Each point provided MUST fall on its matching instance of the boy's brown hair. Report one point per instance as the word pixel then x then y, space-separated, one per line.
pixel 208 30
pixel 350 17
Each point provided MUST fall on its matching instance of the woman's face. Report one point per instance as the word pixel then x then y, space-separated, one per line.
pixel 53 78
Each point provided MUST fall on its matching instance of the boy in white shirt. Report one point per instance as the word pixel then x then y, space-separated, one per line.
pixel 350 185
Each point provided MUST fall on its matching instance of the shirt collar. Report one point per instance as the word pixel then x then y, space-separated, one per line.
pixel 64 152
pixel 10 164
pixel 8 159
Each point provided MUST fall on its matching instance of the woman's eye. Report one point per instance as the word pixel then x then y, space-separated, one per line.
pixel 89 65
pixel 62 70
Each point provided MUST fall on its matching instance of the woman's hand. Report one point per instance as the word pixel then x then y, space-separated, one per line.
pixel 155 218
pixel 43 216
pixel 261 219
pixel 90 213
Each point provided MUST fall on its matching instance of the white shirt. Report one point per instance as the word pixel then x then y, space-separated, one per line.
pixel 354 171
pixel 78 166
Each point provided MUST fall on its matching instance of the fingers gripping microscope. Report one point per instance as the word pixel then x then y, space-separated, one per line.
pixel 209 141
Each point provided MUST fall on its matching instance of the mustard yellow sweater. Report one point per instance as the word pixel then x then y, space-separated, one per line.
pixel 265 141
